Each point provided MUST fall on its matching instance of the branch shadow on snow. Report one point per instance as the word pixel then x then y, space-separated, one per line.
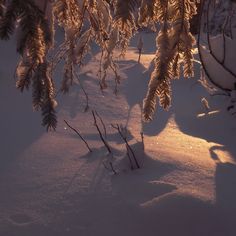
pixel 19 125
pixel 164 210
pixel 225 191
pixel 19 130
pixel 142 203
pixel 141 185
pixel 135 91
pixel 129 190
pixel 217 127
pixel 187 109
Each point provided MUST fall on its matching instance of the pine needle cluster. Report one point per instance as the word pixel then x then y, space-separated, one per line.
pixel 174 46
pixel 34 40
pixel 111 24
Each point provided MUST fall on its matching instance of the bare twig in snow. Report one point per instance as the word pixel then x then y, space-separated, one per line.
pixel 142 138
pixel 129 157
pixel 77 132
pixel 100 133
pixel 85 93
pixel 141 131
pixel 205 104
pixel 117 127
pixel 140 48
pixel 94 113
pixel 103 124
pixel 111 167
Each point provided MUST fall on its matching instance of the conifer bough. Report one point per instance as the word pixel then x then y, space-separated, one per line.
pixel 111 23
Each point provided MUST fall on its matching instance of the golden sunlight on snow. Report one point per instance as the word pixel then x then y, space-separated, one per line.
pixel 144 60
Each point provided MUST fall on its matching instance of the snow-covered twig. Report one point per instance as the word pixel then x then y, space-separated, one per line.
pixel 205 104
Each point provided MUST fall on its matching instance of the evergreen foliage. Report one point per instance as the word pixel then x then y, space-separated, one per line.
pixel 34 40
pixel 111 23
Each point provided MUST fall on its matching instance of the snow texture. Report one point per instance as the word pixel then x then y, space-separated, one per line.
pixel 52 186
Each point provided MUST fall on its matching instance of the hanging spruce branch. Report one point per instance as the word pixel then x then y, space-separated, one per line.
pixel 48 102
pixel 174 41
pixel 147 13
pixel 110 24
pixel 2 8
pixel 124 21
pixel 8 20
pixel 34 40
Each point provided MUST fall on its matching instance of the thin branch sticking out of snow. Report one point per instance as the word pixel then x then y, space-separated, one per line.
pixel 77 132
pixel 94 113
pixel 104 127
pixel 128 147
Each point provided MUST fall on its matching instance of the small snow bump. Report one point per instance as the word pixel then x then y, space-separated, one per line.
pixel 20 219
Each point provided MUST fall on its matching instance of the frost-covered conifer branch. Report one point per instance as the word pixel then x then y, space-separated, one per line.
pixel 124 21
pixel 174 41
pixel 147 13
pixel 34 40
pixel 48 102
pixel 111 24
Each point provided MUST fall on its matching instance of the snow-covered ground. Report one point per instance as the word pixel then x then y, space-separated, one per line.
pixel 50 185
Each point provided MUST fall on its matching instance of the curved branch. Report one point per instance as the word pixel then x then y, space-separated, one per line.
pixel 200 53
pixel 222 64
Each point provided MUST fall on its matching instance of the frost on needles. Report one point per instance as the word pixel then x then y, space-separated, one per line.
pixel 111 23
